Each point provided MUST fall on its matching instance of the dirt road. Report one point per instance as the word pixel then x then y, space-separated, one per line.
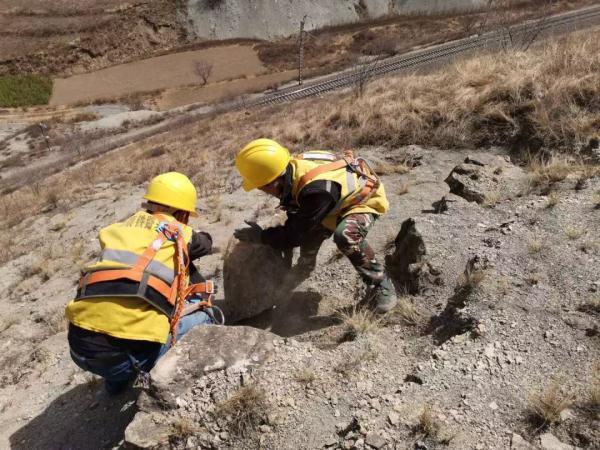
pixel 161 72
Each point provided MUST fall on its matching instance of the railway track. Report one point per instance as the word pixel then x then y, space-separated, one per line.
pixel 491 40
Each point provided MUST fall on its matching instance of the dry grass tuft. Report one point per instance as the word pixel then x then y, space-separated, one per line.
pixel 39 267
pixel 183 428
pixel 534 278
pixel 353 363
pixel 404 188
pixel 596 200
pixel 535 246
pixel 55 321
pixel 244 410
pixel 428 424
pixel 472 280
pixel 552 201
pixel 8 322
pixel 592 304
pixel 359 322
pixel 491 199
pixel 573 232
pixel 305 376
pixel 407 311
pixel 543 172
pixel 546 405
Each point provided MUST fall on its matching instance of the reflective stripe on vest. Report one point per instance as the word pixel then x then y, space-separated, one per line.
pixel 319 156
pixel 357 194
pixel 129 258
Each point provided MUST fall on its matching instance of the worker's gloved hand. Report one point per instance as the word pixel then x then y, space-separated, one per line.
pixel 252 234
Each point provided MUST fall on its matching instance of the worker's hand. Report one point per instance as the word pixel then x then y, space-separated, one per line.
pixel 252 234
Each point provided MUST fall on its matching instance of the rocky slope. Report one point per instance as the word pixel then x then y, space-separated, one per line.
pixel 464 373
pixel 460 372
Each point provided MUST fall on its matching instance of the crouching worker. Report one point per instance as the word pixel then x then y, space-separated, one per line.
pixel 144 293
pixel 323 195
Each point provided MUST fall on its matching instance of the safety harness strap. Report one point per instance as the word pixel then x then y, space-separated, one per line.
pixel 128 274
pixel 369 181
pixel 312 174
pixel 173 295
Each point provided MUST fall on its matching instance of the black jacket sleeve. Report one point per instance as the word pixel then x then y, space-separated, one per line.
pixel 200 245
pixel 195 276
pixel 316 200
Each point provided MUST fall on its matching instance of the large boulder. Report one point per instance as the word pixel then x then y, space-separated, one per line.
pixel 253 279
pixel 486 179
pixel 203 350
pixel 407 265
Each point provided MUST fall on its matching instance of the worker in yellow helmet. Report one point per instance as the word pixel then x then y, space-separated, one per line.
pixel 122 318
pixel 323 195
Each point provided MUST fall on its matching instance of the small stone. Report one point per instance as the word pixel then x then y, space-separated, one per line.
pixel 489 351
pixel 375 404
pixel 493 406
pixel 550 442
pixel 264 428
pixel 440 354
pixel 518 443
pixel 566 414
pixel 181 403
pixel 330 442
pixel 394 418
pixel 375 440
pixel 420 445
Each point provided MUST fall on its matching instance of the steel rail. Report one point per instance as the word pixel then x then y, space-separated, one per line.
pixel 397 64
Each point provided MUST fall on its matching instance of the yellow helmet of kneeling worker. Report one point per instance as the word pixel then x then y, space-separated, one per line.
pixel 261 162
pixel 173 189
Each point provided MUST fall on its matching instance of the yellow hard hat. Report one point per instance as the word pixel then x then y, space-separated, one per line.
pixel 173 189
pixel 260 162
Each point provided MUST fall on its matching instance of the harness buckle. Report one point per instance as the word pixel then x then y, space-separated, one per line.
pixel 209 286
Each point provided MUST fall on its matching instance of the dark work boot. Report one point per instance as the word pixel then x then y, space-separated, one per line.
pixel 382 297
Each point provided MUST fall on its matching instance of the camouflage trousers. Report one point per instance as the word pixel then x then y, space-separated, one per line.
pixel 350 237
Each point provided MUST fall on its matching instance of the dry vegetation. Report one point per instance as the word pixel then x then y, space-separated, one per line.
pixel 407 311
pixel 359 322
pixel 546 405
pixel 305 376
pixel 244 410
pixel 546 96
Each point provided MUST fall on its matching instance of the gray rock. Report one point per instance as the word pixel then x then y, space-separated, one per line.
pixel 518 443
pixel 145 433
pixel 476 180
pixel 394 418
pixel 550 442
pixel 407 265
pixel 189 360
pixel 254 280
pixel 375 440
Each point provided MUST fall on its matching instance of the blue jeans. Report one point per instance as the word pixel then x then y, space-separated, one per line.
pixel 118 376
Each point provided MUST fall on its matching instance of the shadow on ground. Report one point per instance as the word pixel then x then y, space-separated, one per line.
pixel 297 315
pixel 84 417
